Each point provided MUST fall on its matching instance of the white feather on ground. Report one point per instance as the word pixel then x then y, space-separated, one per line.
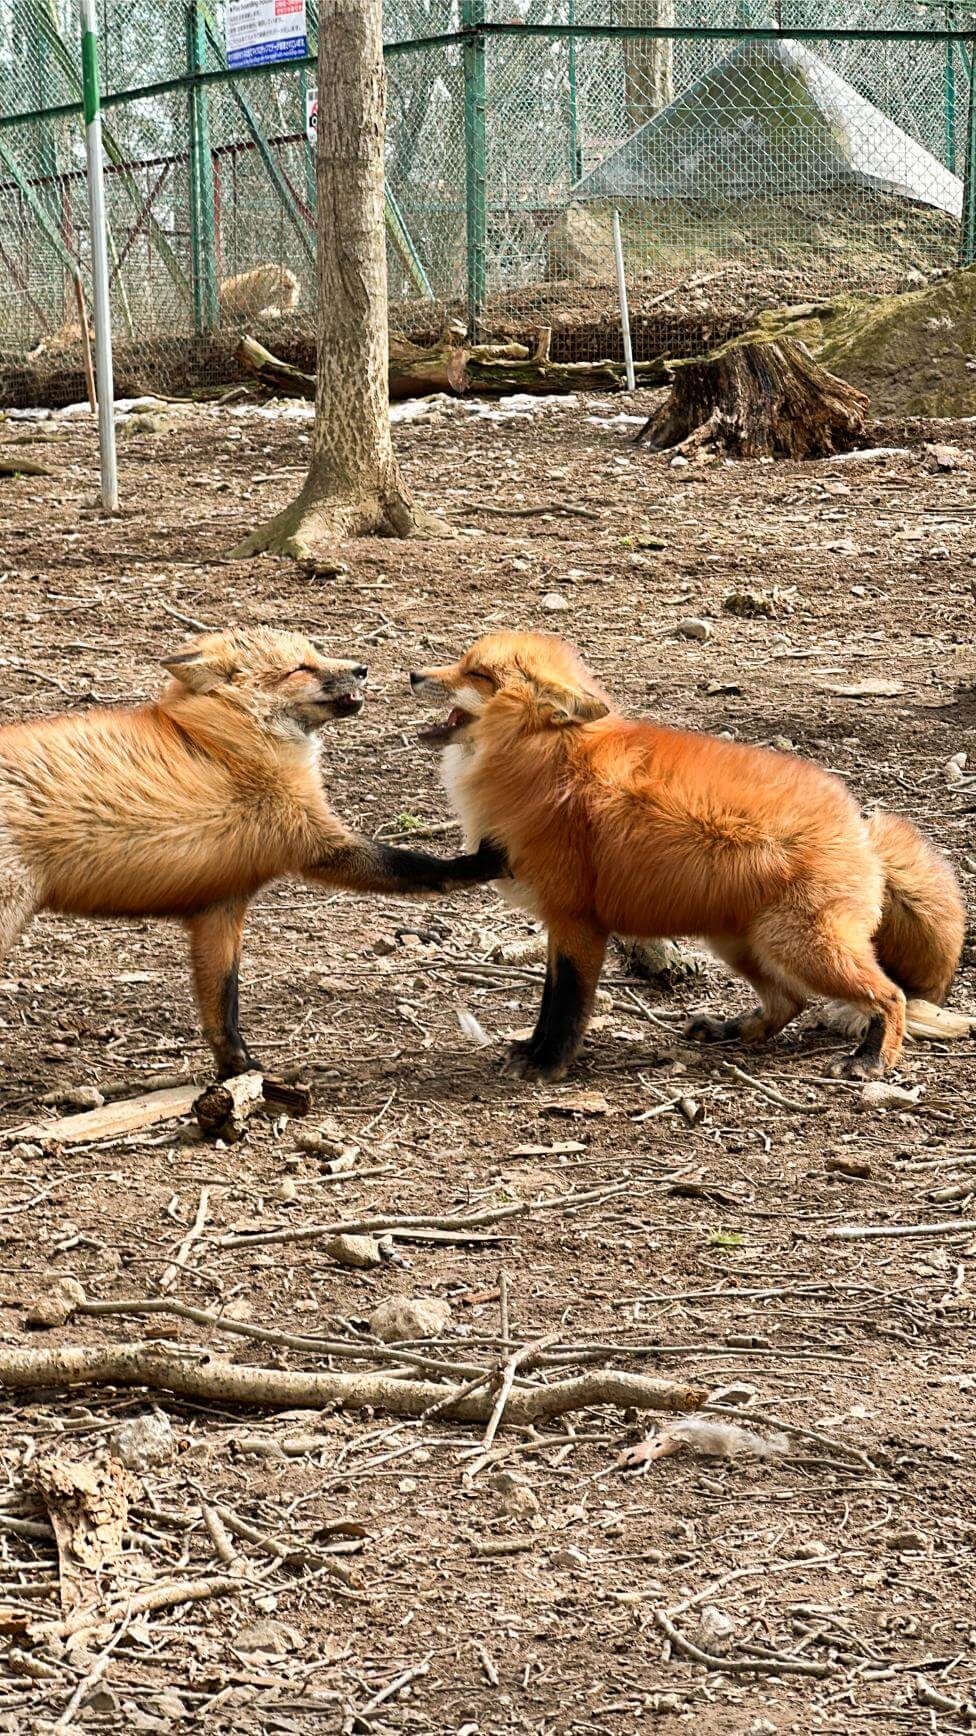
pixel 707 1436
pixel 923 1019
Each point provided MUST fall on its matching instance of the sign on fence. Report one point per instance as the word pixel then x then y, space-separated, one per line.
pixel 262 31
pixel 312 117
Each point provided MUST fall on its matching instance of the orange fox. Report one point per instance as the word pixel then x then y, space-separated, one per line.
pixel 612 825
pixel 186 808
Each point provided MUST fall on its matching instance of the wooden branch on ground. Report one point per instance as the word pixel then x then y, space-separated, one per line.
pixel 218 1381
pixel 124 1115
pixel 758 396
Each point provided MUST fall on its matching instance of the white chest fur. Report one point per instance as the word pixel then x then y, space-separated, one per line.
pixel 455 766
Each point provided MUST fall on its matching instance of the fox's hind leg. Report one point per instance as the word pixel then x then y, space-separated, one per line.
pixel 830 953
pixel 19 899
pixel 216 935
pixel 575 960
pixel 779 1002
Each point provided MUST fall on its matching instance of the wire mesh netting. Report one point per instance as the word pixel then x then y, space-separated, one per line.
pixel 756 156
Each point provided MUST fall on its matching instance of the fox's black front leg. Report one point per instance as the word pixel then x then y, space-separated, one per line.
pixel 363 866
pixel 572 974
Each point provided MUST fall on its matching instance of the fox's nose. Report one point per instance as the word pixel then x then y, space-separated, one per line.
pixel 415 678
pixel 359 671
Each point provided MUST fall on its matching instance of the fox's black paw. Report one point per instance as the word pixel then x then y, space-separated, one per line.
pixel 523 1061
pixel 236 1061
pixel 858 1067
pixel 704 1029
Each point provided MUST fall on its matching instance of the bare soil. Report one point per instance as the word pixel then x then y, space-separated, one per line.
pixel 713 1259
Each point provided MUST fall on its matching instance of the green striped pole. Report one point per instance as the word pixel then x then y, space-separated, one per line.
pixel 99 258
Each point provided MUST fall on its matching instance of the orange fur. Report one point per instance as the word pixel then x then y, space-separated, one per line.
pixel 187 807
pixel 618 826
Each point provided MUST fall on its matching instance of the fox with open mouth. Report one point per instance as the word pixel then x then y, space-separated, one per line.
pixel 613 825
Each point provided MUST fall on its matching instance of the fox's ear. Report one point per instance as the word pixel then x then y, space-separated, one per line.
pixel 562 706
pixel 194 670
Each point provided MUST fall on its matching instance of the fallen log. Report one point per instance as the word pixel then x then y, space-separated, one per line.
pixel 757 397
pixel 500 378
pixel 413 372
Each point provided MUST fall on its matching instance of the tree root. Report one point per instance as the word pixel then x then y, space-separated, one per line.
pixel 308 529
pixel 216 1380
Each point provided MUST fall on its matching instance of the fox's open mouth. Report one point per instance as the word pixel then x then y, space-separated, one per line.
pixel 440 733
pixel 344 704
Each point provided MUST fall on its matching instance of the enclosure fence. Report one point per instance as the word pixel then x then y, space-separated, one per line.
pixel 759 152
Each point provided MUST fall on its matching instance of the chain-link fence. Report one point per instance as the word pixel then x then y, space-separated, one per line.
pixel 759 152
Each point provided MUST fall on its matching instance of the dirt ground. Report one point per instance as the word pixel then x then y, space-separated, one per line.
pixel 533 1592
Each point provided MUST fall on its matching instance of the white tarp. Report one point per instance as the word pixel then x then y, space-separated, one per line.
pixel 772 119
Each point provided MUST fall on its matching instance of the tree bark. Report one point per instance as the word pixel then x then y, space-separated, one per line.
pixel 354 486
pixel 648 61
pixel 758 397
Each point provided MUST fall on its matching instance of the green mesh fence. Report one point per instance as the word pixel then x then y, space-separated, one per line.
pixel 758 151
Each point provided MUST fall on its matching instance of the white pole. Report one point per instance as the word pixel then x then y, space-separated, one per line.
pixel 99 257
pixel 618 253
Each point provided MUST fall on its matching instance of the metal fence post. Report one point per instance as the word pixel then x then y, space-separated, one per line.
pixel 475 158
pixel 575 154
pixel 967 242
pixel 203 215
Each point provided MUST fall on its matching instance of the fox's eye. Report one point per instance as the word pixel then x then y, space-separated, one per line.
pixel 479 675
pixel 304 669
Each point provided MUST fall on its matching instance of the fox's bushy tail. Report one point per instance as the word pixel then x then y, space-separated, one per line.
pixel 923 925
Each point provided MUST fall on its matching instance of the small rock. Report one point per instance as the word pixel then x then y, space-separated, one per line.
pixel 23 1152
pixel 907 1542
pixel 56 1301
pixel 716 1630
pixel 407 1317
pixel 782 744
pixel 947 457
pixel 749 604
pixel 554 603
pixel 694 628
pixel 854 1168
pixel 144 1441
pixel 517 1500
pixel 569 1557
pixel 359 1252
pixel 286 1190
pixel 272 1638
pixel 679 463
pixel 809 1551
pixel 142 424
pixel 75 1097
pixel 384 945
pixel 955 770
pixel 915 279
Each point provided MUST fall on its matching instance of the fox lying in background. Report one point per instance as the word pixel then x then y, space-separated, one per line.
pixel 619 826
pixel 187 807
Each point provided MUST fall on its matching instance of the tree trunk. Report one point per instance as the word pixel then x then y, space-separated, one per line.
pixel 648 61
pixel 758 397
pixel 354 486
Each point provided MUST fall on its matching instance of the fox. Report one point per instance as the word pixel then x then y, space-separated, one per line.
pixel 186 807
pixel 612 825
pixel 264 292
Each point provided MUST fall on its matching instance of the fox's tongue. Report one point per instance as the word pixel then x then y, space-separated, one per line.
pixel 440 733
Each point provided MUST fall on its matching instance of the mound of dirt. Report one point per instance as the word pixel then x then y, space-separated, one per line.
pixel 914 354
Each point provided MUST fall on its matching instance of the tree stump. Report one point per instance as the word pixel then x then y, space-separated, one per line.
pixel 758 397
